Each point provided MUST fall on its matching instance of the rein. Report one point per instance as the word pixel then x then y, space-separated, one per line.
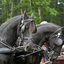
pixel 6 45
pixel 10 47
pixel 20 48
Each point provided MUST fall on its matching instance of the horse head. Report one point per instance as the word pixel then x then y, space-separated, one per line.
pixel 55 43
pixel 28 23
pixel 27 27
pixel 43 34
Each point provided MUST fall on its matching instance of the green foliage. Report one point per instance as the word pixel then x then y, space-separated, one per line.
pixel 47 11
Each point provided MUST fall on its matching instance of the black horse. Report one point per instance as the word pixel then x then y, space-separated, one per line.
pixel 9 35
pixel 44 31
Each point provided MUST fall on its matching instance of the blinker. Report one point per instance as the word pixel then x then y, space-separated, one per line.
pixel 59 42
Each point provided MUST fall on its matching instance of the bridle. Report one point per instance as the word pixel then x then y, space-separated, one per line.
pixel 58 42
pixel 22 26
pixel 22 29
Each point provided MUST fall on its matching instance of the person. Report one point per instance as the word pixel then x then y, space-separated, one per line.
pixel 45 57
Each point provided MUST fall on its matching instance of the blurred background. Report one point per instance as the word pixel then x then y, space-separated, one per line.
pixel 44 10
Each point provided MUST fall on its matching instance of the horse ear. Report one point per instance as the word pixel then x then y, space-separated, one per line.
pixel 32 16
pixel 25 15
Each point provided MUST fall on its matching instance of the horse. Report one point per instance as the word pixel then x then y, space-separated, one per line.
pixel 9 35
pixel 44 31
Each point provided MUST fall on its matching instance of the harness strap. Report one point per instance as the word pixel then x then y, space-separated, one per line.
pixel 13 48
pixel 8 46
pixel 5 45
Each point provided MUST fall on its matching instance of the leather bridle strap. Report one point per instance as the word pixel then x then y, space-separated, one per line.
pixel 6 45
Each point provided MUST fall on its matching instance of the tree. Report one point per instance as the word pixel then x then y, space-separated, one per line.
pixel 11 8
pixel 42 9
